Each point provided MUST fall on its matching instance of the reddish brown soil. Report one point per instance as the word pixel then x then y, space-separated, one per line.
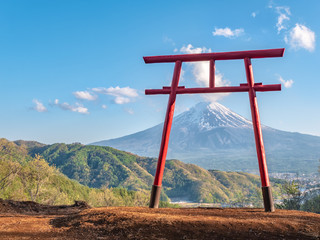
pixel 27 220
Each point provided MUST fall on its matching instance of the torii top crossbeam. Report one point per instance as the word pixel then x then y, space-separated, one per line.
pixel 249 87
pixel 267 53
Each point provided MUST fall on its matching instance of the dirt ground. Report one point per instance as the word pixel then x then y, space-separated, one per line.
pixel 28 220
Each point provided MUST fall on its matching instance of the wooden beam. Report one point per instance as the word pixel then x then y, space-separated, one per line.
pixel 266 53
pixel 182 90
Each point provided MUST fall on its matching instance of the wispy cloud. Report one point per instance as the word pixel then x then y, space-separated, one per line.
pixel 201 71
pixel 85 95
pixel 129 110
pixel 227 32
pixel 283 15
pixel 301 37
pixel 121 95
pixel 39 107
pixel 286 83
pixel 169 40
pixel 254 14
pixel 79 108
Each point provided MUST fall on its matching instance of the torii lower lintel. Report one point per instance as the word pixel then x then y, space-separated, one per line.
pixel 242 88
pixel 249 87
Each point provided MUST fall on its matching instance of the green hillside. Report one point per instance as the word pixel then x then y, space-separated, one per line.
pixel 98 167
pixel 26 178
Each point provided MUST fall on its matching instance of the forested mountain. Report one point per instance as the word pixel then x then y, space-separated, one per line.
pixel 97 166
pixel 26 178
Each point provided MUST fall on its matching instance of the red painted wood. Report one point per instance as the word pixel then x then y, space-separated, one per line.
pixel 212 74
pixel 216 56
pixel 241 88
pixel 167 125
pixel 170 87
pixel 256 125
pixel 265 88
pixel 256 84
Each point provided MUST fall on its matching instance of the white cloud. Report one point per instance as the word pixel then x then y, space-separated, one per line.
pixel 39 107
pixel 182 73
pixel 286 83
pixel 85 95
pixel 284 13
pixel 73 108
pixel 201 71
pixel 254 14
pixel 104 106
pixel 190 49
pixel 301 37
pixel 80 109
pixel 121 100
pixel 116 91
pixel 227 32
pixel 130 111
pixel 122 95
pixel 168 40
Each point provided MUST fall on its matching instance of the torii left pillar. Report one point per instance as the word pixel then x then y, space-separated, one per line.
pixel 156 187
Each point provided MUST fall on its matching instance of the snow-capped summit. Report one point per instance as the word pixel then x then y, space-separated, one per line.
pixel 209 116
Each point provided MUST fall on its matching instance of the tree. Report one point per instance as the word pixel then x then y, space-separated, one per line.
pixel 141 198
pixel 11 158
pixel 34 175
pixel 8 172
pixel 312 204
pixel 110 199
pixel 292 196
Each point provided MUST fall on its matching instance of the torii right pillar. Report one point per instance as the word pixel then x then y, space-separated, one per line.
pixel 265 183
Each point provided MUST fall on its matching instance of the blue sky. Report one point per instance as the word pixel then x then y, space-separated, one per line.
pixel 72 71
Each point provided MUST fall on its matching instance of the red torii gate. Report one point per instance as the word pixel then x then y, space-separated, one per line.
pixel 249 87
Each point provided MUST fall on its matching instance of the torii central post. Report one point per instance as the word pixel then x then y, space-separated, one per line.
pixel 251 87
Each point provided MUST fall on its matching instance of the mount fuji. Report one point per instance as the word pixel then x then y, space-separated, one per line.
pixel 214 137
